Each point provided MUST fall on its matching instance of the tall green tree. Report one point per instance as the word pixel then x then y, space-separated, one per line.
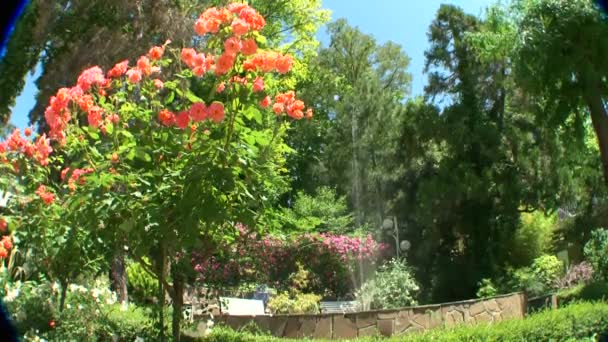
pixel 562 56
pixel 357 89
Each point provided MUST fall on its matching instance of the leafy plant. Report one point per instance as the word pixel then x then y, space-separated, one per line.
pixel 548 269
pixel 486 289
pixel 301 303
pixel 142 285
pixel 321 212
pixel 581 273
pixel 393 286
pixel 596 252
pixel 537 279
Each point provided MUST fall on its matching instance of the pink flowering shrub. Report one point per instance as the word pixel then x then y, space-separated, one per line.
pixel 334 261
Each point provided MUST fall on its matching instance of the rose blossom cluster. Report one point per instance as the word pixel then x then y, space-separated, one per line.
pixel 39 150
pixel 84 98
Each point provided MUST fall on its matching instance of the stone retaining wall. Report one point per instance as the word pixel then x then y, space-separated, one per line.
pixel 386 322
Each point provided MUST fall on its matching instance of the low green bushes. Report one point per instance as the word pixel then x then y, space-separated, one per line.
pixel 597 290
pixel 575 322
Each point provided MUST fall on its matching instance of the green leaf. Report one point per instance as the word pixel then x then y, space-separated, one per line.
pixel 170 98
pixel 140 153
pixel 192 97
pixel 252 113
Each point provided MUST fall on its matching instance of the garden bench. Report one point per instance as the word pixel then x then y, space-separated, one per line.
pixel 241 307
pixel 338 307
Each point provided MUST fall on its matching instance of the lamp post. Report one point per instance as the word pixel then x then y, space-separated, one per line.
pixel 389 225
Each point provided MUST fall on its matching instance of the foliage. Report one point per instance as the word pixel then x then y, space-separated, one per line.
pixel 161 157
pixel 323 212
pixel 300 303
pixel 537 279
pixel 548 269
pixel 593 291
pixel 532 238
pixel 596 252
pixel 486 289
pixel 392 287
pixel 581 273
pixel 358 86
pixel 88 313
pixel 333 261
pixel 142 285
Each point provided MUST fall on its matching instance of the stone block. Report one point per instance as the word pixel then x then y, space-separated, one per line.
pixel 496 317
pixel 292 328
pixel 388 314
pixel 263 322
pixel 386 327
pixel 344 327
pixel 307 326
pixel 421 320
pixel 483 317
pixel 435 319
pixel 368 331
pixel 277 326
pixel 365 319
pixel 402 322
pixel 491 305
pixel 453 318
pixel 236 322
pixel 477 308
pixel 323 328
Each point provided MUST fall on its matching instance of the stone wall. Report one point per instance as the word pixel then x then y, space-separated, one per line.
pixel 386 322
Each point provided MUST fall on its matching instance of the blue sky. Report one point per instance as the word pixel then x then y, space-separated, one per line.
pixel 402 21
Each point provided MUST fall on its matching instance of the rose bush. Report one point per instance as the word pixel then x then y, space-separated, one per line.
pixel 160 156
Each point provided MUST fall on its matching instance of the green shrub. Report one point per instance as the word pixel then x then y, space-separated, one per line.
pixel 299 303
pixel 596 252
pixel 393 286
pixel 594 291
pixel 548 269
pixel 538 279
pixel 142 285
pixel 129 322
pixel 532 238
pixel 486 289
pixel 574 322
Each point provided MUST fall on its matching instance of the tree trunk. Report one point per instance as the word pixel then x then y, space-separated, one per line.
pixel 118 275
pixel 64 292
pixel 161 295
pixel 178 302
pixel 600 125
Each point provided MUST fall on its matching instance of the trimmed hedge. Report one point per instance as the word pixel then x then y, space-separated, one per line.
pixel 573 323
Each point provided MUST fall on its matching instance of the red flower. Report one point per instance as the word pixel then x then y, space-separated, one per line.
pixel 47 197
pixel 198 112
pixel 156 52
pixel 258 85
pixel 119 69
pixel 7 242
pixel 181 120
pixel 265 102
pixel 216 111
pixel 3 225
pixel 166 117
